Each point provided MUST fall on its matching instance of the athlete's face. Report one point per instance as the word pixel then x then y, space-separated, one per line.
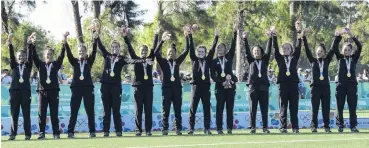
pixel 48 55
pixel 256 52
pixel 21 57
pixel 320 53
pixel 171 53
pixel 286 49
pixel 347 50
pixel 143 51
pixel 220 50
pixel 82 52
pixel 115 48
pixel 201 52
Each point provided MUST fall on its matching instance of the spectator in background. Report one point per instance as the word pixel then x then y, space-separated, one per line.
pixel 302 86
pixel 62 77
pixel 307 77
pixel 34 78
pixel 69 80
pixel 156 77
pixel 271 76
pixel 127 79
pixel 359 77
pixel 5 77
pixel 365 75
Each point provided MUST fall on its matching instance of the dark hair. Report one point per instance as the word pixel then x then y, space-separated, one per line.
pixel 323 46
pixel 261 49
pixel 6 70
pixel 225 47
pixel 22 51
pixel 173 46
pixel 144 47
pixel 201 46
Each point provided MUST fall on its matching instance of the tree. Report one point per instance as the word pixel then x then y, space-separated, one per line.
pixel 77 21
pixel 10 15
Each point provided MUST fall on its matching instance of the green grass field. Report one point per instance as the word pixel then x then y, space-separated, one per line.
pixel 240 138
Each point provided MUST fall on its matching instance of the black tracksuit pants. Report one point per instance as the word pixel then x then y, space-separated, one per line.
pixel 48 98
pixel 320 94
pixel 87 93
pixel 200 92
pixel 111 95
pixel 349 90
pixel 261 97
pixel 20 98
pixel 289 95
pixel 172 94
pixel 143 96
pixel 224 97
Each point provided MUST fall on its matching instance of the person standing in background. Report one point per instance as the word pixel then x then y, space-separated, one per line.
pixel 5 77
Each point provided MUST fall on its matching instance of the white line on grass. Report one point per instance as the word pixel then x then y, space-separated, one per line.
pixel 240 143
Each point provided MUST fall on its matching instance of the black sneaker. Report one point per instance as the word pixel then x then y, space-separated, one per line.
pixel 229 131
pixel 266 131
pixel 178 132
pixel 56 137
pixel 354 130
pixel 148 133
pixel 314 130
pixel 106 134
pixel 296 131
pixel 283 130
pixel 138 133
pixel 165 132
pixel 220 132
pixel 92 135
pixel 207 132
pixel 119 134
pixel 340 129
pixel 190 132
pixel 27 138
pixel 11 138
pixel 41 136
pixel 253 131
pixel 70 135
pixel 328 130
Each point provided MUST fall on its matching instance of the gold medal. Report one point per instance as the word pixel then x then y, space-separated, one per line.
pixel 21 80
pixel 112 74
pixel 321 78
pixel 146 77
pixel 223 74
pixel 259 75
pixel 288 73
pixel 81 77
pixel 48 81
pixel 348 75
pixel 172 78
pixel 203 77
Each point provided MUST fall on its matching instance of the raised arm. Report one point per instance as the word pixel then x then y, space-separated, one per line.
pixel 249 57
pixel 183 55
pixel 13 63
pixel 357 53
pixel 71 59
pixel 157 51
pixel 334 48
pixel 192 48
pixel 59 60
pixel 156 40
pixel 36 59
pixel 232 50
pixel 91 58
pixel 309 55
pixel 102 48
pixel 275 46
pixel 268 50
pixel 297 51
pixel 131 51
pixel 29 55
pixel 212 49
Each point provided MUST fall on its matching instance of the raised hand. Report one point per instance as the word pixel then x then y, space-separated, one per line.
pixel 337 33
pixel 235 27
pixel 195 27
pixel 10 37
pixel 32 38
pixel 298 26
pixel 305 32
pixel 166 36
pixel 273 31
pixel 216 31
pixel 65 36
pixel 157 30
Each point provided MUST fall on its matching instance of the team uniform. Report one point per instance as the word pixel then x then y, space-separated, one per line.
pixel 220 67
pixel 347 86
pixel 288 85
pixel 20 92
pixel 320 87
pixel 143 88
pixel 82 87
pixel 48 92
pixel 258 84
pixel 171 88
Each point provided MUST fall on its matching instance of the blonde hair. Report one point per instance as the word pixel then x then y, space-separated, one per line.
pixel 114 42
pixel 346 44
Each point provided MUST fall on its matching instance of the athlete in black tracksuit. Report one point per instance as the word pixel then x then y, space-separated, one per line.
pixel 111 88
pixel 224 96
pixel 320 88
pixel 200 86
pixel 171 87
pixel 48 91
pixel 288 86
pixel 347 86
pixel 20 91
pixel 82 87
pixel 143 86
pixel 258 84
